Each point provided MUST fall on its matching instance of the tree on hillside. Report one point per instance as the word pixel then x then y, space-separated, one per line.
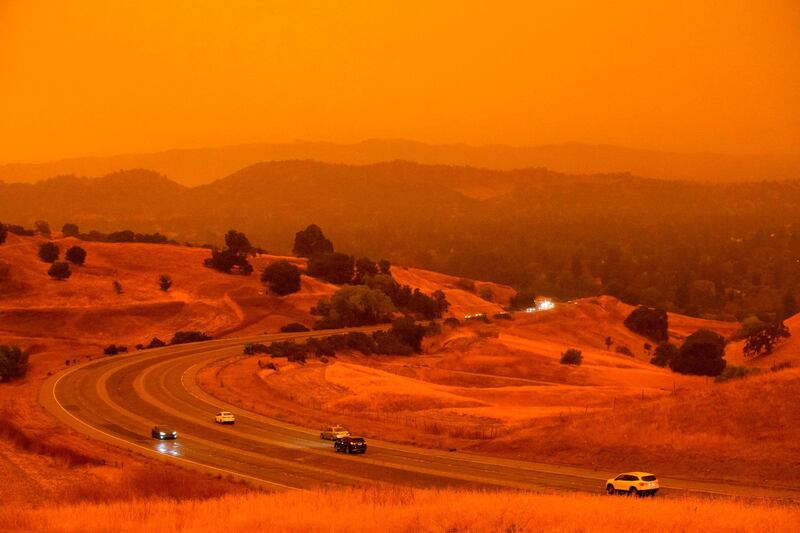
pixel 43 228
pixel 238 243
pixel 311 241
pixel 70 230
pixel 3 233
pixel 117 286
pixel 164 282
pixel 233 259
pixel 702 353
pixel 281 277
pixel 13 363
pixel 336 268
pixel 763 340
pixel 572 356
pixel 648 322
pixel 229 262
pixel 385 266
pixel 59 270
pixel 609 342
pixel 48 252
pixel 76 255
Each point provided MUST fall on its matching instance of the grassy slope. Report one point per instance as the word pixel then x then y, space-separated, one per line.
pixel 73 320
pixel 746 429
pixel 409 510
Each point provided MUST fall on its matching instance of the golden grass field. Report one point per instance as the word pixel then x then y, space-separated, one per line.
pixel 409 510
pixel 496 389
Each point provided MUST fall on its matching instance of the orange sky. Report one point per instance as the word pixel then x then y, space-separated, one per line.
pixel 99 77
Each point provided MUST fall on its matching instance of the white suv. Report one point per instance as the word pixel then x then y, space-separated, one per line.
pixel 334 432
pixel 634 484
pixel 224 417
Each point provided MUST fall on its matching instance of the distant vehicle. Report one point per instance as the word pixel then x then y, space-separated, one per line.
pixel 224 417
pixel 163 433
pixel 634 484
pixel 350 445
pixel 334 432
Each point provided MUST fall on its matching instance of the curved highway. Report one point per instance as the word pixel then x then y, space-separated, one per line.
pixel 118 399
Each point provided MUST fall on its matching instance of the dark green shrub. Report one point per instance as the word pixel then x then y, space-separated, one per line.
pixel 164 282
pixel 294 327
pixel 572 356
pixel 13 363
pixel 59 270
pixel 114 349
pixel 624 350
pixel 184 337
pixel 155 342
pixel 75 255
pixel 48 252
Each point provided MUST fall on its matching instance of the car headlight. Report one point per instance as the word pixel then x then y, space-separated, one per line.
pixel 162 434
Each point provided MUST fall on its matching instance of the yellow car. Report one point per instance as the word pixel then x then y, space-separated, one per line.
pixel 634 484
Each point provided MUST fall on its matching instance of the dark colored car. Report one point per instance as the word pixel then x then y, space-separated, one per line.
pixel 350 445
pixel 163 433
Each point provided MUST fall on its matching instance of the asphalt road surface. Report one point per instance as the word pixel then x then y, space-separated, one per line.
pixel 119 399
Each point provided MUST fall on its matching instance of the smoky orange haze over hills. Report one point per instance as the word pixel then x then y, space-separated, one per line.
pixel 95 78
pixel 192 167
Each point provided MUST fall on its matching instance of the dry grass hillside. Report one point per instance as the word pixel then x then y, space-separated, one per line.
pixel 499 389
pixel 406 510
pixel 74 319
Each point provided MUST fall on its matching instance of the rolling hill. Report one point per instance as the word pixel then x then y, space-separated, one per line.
pixel 193 167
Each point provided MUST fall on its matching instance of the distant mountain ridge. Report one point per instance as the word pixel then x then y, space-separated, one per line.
pixel 678 244
pixel 200 166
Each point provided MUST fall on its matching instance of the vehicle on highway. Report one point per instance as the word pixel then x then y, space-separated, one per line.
pixel 633 484
pixel 224 417
pixel 163 433
pixel 350 445
pixel 334 432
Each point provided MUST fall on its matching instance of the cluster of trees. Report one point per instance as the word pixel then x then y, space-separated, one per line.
pixel 404 338
pixel 702 354
pixel 370 294
pixel 60 270
pixel 180 337
pixel 361 305
pixel 72 230
pixel 13 363
pixel 334 267
pixel 717 250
